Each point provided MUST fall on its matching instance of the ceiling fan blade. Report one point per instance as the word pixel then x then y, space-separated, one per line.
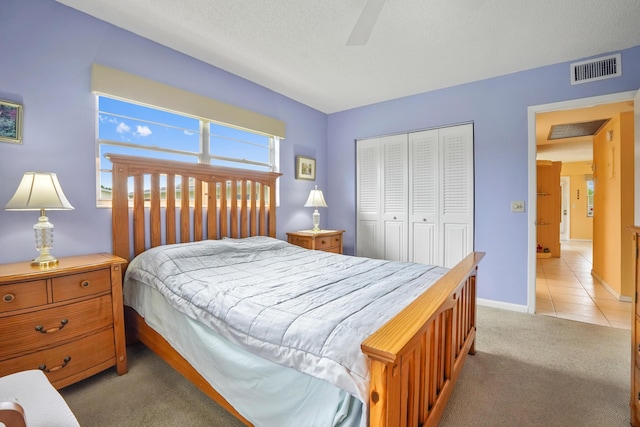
pixel 366 22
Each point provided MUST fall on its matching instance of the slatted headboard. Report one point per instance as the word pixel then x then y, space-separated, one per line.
pixel 207 213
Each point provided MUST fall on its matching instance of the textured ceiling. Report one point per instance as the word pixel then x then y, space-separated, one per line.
pixel 298 47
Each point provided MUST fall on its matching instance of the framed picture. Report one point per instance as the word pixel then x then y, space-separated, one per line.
pixel 10 122
pixel 305 168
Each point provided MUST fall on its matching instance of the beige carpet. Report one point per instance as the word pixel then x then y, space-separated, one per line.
pixel 529 370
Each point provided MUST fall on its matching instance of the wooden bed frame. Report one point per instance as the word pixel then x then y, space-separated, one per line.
pixel 415 358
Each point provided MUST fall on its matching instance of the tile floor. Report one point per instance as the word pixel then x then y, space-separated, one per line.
pixel 565 288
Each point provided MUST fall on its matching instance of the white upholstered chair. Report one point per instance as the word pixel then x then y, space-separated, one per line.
pixel 27 398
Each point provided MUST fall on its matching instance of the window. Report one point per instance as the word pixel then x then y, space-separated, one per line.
pixel 590 188
pixel 134 129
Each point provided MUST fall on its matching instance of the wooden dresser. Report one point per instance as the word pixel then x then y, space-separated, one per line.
pixel 635 338
pixel 66 320
pixel 323 240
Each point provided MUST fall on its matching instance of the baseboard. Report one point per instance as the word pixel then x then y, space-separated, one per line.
pixel 503 305
pixel 613 292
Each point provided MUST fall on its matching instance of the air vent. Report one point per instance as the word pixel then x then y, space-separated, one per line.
pixel 573 130
pixel 592 70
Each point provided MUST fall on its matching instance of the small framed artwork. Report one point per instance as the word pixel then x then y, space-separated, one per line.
pixel 305 168
pixel 10 122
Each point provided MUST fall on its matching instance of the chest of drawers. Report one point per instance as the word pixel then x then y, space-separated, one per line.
pixel 66 320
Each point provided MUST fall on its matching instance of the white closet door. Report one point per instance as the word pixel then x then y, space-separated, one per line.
pixel 456 193
pixel 415 196
pixel 394 197
pixel 369 176
pixel 423 197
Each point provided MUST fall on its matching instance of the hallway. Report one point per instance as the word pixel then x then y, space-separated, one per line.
pixel 566 289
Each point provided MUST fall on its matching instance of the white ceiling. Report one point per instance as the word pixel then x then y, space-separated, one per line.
pixel 298 47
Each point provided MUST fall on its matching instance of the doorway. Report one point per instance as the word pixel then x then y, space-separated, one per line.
pixel 532 196
pixel 565 208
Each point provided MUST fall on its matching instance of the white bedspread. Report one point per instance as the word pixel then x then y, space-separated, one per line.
pixel 308 310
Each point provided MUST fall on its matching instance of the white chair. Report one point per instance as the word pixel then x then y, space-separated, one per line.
pixel 27 398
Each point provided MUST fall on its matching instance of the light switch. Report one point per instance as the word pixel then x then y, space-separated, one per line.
pixel 517 206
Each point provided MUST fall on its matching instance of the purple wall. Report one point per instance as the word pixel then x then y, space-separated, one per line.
pixel 48 50
pixel 498 109
pixel 47 53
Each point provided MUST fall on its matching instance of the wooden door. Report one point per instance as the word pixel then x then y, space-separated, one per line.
pixel 549 207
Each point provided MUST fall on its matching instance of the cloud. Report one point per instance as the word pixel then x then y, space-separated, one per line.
pixel 188 132
pixel 123 128
pixel 142 131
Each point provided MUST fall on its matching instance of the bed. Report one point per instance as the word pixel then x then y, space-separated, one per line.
pixel 412 359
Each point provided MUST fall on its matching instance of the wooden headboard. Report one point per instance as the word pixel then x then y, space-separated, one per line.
pixel 145 208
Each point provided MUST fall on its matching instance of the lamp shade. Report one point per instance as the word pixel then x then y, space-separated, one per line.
pixel 36 191
pixel 316 199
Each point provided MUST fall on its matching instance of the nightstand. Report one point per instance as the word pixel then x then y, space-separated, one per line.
pixel 323 240
pixel 66 320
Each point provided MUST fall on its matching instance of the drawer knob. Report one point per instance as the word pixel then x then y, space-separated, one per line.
pixel 43 367
pixel 8 297
pixel 42 330
pixel 85 283
pixel 322 242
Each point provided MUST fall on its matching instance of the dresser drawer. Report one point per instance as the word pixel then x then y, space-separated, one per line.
pixel 303 242
pixel 28 332
pixel 325 243
pixel 81 284
pixel 68 359
pixel 23 295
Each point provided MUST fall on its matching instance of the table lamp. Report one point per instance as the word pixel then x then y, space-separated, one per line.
pixel 39 191
pixel 316 200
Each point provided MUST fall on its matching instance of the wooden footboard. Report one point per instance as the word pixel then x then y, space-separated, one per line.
pixel 417 356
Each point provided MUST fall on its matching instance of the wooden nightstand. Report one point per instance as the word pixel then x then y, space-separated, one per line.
pixel 323 240
pixel 66 320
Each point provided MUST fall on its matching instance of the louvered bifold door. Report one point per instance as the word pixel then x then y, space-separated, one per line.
pixel 456 193
pixel 394 196
pixel 423 197
pixel 369 231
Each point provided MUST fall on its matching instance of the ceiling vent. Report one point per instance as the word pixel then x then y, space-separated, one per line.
pixel 573 130
pixel 601 68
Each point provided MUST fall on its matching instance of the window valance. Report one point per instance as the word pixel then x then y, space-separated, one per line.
pixel 112 82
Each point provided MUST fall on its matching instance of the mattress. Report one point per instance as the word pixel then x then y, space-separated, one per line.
pixel 304 310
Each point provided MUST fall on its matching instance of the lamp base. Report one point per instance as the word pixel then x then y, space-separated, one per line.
pixel 316 221
pixel 44 242
pixel 44 262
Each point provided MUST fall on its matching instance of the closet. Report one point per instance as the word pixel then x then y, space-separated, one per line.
pixel 415 196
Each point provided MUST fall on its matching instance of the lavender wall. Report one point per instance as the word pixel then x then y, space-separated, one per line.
pixel 47 53
pixel 498 109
